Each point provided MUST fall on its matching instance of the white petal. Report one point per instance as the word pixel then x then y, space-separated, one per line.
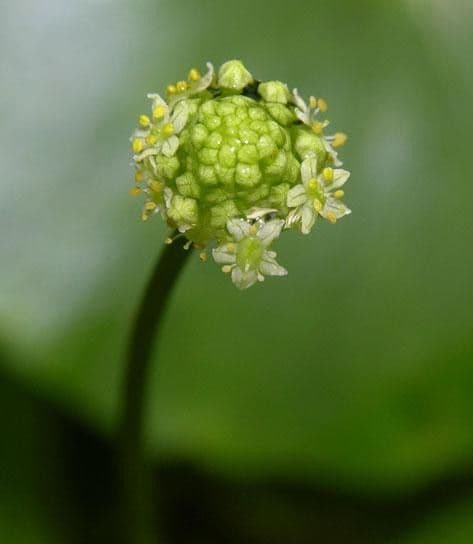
pixel 147 153
pixel 333 205
pixel 296 196
pixel 222 255
pixel 340 177
pixel 170 146
pixel 308 217
pixel 157 100
pixel 299 101
pixel 179 116
pixel 259 213
pixel 204 81
pixel 243 280
pixel 269 266
pixel 304 117
pixel 308 169
pixel 331 151
pixel 293 217
pixel 167 197
pixel 238 228
pixel 270 231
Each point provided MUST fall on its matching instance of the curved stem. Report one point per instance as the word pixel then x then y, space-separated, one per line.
pixel 136 482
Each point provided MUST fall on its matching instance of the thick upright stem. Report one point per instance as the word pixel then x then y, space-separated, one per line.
pixel 136 483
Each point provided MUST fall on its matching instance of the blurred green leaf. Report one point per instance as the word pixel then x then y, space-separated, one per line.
pixel 357 367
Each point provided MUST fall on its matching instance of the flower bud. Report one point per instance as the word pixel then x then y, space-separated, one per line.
pixel 233 75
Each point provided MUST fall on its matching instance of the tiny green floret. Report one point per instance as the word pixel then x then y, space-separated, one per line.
pixel 231 162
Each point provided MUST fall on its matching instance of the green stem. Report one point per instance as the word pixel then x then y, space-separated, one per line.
pixel 137 516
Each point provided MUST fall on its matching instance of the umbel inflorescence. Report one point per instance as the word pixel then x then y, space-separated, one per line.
pixel 231 162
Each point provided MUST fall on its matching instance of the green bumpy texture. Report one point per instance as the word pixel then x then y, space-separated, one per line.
pixel 233 157
pixel 240 149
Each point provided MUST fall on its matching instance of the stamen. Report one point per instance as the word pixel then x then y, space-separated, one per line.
pixel 151 139
pixel 137 145
pixel 203 256
pixel 339 194
pixel 312 102
pixel 322 105
pixel 194 74
pixel 181 86
pixel 331 217
pixel 312 184
pixel 143 120
pixel 328 174
pixel 317 127
pixel 155 186
pixel 339 139
pixel 139 176
pixel 317 205
pixel 171 89
pixel 168 129
pixel 159 111
pixel 227 268
pixel 134 191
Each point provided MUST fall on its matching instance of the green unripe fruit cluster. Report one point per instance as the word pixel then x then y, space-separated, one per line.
pixel 224 148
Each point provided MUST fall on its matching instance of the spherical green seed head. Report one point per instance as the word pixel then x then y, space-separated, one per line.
pixel 225 154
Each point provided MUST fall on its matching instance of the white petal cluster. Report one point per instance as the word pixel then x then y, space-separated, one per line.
pixel 318 194
pixel 248 257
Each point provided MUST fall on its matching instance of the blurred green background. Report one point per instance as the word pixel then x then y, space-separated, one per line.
pixel 331 406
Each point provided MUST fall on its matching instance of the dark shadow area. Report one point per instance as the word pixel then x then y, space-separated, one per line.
pixel 66 472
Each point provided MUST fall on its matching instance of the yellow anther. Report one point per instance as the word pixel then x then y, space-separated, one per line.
pixel 171 89
pixel 339 139
pixel 181 86
pixel 155 186
pixel 168 129
pixel 312 184
pixel 322 105
pixel 150 206
pixel 226 268
pixel 330 216
pixel 194 74
pixel 168 241
pixel 151 139
pixel 159 111
pixel 339 194
pixel 317 205
pixel 143 120
pixel 253 230
pixel 317 127
pixel 137 145
pixel 139 176
pixel 327 173
pixel 134 191
pixel 312 102
pixel 203 256
pixel 231 248
pixel 144 216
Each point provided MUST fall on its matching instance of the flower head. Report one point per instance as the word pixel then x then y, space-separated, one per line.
pixel 230 161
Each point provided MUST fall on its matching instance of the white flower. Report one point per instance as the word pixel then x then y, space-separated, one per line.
pixel 195 86
pixel 316 195
pixel 248 256
pixel 161 135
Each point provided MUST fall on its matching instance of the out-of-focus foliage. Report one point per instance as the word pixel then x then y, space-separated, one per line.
pixel 357 368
